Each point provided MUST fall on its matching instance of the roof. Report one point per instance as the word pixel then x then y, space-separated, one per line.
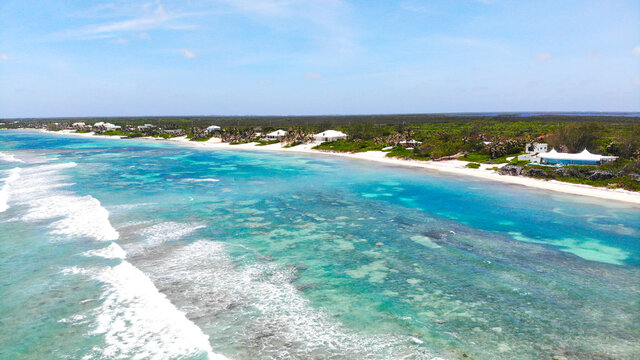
pixel 330 133
pixel 585 155
pixel 213 127
pixel 277 133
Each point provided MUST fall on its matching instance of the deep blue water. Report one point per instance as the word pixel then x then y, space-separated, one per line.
pixel 146 249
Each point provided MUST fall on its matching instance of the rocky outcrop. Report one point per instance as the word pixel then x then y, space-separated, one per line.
pixel 538 173
pixel 602 175
pixel 513 170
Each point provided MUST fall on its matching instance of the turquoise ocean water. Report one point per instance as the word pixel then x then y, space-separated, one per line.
pixel 144 249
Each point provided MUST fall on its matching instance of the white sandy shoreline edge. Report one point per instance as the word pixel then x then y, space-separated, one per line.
pixel 452 166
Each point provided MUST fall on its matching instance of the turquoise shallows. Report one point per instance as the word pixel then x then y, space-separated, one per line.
pixel 142 249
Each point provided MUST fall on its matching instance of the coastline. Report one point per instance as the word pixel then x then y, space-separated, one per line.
pixel 456 167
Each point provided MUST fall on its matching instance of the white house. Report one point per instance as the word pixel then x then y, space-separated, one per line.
pixel 276 135
pixel 145 127
pixel 106 125
pixel 329 135
pixel 213 128
pixel 532 149
pixel 78 125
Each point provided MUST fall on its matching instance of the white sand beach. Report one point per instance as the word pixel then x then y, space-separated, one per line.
pixel 450 166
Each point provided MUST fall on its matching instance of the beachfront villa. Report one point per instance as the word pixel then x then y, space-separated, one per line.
pixel 108 126
pixel 213 128
pixel 559 159
pixel 78 125
pixel 276 135
pixel 329 135
pixel 145 127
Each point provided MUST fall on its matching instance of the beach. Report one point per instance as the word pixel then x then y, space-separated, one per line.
pixel 456 167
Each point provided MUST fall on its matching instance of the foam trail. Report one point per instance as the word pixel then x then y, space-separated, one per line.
pixel 139 322
pixel 14 174
pixel 75 216
pixel 113 251
pixel 10 158
pixel 213 283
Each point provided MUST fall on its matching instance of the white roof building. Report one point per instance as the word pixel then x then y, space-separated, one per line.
pixel 78 124
pixel 276 134
pixel 330 135
pixel 583 158
pixel 213 128
pixel 106 125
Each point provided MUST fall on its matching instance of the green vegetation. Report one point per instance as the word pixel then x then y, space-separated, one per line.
pixel 473 165
pixel 114 133
pixel 295 143
pixel 266 142
pixel 201 138
pixel 350 146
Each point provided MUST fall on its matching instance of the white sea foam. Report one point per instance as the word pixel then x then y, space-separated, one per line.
pixel 10 158
pixel 202 180
pixel 14 174
pixel 167 231
pixel 113 251
pixel 139 322
pixel 213 283
pixel 42 191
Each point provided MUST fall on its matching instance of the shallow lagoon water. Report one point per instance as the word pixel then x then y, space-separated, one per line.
pixel 136 249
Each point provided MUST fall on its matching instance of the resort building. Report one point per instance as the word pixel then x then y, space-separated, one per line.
pixel 276 135
pixel 78 125
pixel 329 135
pixel 584 158
pixel 558 159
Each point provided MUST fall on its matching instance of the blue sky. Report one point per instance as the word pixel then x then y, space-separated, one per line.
pixel 287 57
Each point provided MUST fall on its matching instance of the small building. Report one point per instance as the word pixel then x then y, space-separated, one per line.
pixel 411 143
pixel 276 135
pixel 78 125
pixel 329 135
pixel 532 149
pixel 145 127
pixel 213 128
pixel 535 148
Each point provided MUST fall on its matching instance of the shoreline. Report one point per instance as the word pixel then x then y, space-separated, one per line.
pixel 456 167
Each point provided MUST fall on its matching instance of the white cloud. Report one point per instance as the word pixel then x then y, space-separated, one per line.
pixel 150 19
pixel 120 41
pixel 543 57
pixel 4 57
pixel 636 81
pixel 188 54
pixel 313 76
pixel 636 50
